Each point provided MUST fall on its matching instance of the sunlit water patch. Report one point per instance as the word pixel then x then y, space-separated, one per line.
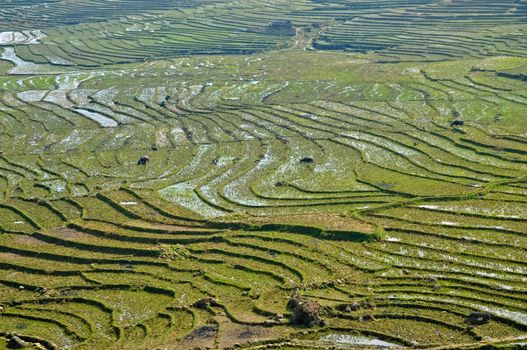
pixel 346 341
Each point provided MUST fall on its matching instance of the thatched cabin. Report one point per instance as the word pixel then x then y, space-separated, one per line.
pixel 281 28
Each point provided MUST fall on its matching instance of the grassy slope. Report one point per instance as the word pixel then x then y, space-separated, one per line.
pixel 413 223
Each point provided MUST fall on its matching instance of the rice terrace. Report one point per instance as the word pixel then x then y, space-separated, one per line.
pixel 277 174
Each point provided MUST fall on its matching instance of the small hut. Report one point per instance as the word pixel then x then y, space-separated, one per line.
pixel 281 28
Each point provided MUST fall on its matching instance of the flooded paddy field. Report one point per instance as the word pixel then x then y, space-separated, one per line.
pixel 289 175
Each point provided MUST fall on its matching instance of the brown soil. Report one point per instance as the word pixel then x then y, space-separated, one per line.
pixel 29 241
pixel 8 256
pixel 68 233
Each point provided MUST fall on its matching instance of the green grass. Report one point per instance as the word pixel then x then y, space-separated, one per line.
pixel 411 223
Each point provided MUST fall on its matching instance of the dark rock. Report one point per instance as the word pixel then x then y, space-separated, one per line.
pixel 16 343
pixel 477 319
pixel 349 307
pixel 143 160
pixel 205 303
pixel 342 307
pixel 355 306
pixel 457 123
pixel 306 160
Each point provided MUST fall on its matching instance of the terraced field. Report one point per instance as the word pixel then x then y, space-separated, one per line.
pixel 178 174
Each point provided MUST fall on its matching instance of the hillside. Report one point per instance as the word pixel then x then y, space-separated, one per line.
pixel 302 174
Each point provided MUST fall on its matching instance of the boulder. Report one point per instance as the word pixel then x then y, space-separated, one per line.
pixel 16 343
pixel 205 303
pixel 143 160
pixel 477 319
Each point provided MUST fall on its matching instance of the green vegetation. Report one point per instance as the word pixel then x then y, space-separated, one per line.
pixel 373 165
